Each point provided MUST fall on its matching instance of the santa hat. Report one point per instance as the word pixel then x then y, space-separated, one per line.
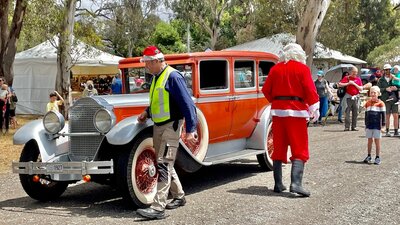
pixel 151 53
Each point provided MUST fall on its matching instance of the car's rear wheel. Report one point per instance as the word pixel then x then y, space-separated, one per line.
pixel 264 159
pixel 137 172
pixel 42 189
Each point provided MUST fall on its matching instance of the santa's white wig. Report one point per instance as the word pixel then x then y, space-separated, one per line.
pixel 294 52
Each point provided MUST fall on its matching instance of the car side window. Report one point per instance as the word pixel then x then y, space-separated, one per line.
pixel 244 74
pixel 213 75
pixel 137 80
pixel 186 71
pixel 263 70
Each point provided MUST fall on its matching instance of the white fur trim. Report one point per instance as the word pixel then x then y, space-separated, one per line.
pixel 314 107
pixel 290 113
pixel 152 57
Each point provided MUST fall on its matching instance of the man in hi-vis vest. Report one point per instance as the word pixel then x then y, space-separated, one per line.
pixel 170 102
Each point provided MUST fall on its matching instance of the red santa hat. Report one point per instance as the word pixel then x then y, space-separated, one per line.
pixel 151 53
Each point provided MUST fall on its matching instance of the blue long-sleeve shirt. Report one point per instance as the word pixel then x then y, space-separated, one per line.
pixel 181 103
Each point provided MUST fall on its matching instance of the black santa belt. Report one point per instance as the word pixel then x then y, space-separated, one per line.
pixel 294 98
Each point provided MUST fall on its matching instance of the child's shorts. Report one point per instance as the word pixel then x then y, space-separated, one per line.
pixel 373 133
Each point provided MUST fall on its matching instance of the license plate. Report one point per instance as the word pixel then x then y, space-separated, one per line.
pixel 54 168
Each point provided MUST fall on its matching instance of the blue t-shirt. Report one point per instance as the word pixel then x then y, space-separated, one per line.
pixel 116 86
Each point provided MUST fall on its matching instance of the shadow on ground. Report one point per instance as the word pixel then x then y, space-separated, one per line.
pixel 93 200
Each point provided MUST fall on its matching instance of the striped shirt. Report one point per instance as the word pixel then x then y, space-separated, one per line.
pixel 375 114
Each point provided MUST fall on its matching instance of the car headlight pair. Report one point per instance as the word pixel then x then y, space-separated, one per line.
pixel 103 121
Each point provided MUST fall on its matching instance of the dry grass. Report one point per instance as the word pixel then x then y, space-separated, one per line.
pixel 10 152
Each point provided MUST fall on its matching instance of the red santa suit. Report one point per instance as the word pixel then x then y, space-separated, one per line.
pixel 291 90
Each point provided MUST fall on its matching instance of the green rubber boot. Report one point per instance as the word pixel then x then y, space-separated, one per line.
pixel 279 187
pixel 297 177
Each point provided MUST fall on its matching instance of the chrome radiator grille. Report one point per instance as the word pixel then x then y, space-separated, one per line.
pixel 83 148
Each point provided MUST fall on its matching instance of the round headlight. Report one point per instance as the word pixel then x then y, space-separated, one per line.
pixel 104 120
pixel 53 122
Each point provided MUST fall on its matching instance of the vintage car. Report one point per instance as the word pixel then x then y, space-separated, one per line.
pixel 103 142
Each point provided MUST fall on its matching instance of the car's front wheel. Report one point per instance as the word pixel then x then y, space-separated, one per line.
pixel 264 159
pixel 39 187
pixel 137 172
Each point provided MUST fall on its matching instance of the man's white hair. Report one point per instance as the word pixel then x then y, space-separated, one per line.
pixel 294 52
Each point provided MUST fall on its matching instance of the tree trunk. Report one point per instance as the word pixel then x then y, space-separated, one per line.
pixel 64 61
pixel 309 26
pixel 9 37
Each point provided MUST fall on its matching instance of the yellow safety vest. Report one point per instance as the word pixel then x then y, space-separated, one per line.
pixel 159 97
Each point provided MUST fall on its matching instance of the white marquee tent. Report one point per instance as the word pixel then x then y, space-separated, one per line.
pixel 35 72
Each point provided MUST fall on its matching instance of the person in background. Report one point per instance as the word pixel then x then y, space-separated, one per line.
pixel 374 120
pixel 324 91
pixel 353 86
pixel 342 104
pixel 13 107
pixel 89 89
pixel 170 103
pixel 138 81
pixel 390 100
pixel 294 99
pixel 116 84
pixel 396 80
pixel 54 103
pixel 4 106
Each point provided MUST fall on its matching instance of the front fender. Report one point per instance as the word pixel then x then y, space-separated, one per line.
pixel 126 130
pixel 48 148
pixel 258 138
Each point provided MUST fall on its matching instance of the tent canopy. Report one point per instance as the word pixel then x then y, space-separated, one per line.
pixel 35 71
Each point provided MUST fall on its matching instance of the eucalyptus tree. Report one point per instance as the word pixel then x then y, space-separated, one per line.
pixel 309 26
pixel 128 24
pixel 208 14
pixel 9 34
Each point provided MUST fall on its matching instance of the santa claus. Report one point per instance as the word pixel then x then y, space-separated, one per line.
pixel 292 93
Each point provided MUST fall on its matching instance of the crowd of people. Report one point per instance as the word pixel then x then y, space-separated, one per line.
pixel 382 103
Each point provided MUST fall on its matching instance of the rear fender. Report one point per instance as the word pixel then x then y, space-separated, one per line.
pixel 126 130
pixel 49 148
pixel 258 139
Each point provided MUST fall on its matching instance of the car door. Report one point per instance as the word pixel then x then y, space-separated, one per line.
pixel 215 97
pixel 244 98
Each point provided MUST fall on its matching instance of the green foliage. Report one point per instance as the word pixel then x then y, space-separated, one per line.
pixel 166 37
pixel 341 29
pixel 387 53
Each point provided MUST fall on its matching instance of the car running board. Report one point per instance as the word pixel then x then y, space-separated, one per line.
pixel 233 156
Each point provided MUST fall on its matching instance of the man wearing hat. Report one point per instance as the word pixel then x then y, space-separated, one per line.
pixel 324 91
pixel 294 99
pixel 390 99
pixel 170 102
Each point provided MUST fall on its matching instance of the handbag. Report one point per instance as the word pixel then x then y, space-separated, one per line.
pixel 14 98
pixel 341 92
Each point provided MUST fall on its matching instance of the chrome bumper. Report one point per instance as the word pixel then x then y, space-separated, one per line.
pixel 49 168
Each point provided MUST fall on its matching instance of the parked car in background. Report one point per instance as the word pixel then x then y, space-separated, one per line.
pixel 365 74
pixel 104 143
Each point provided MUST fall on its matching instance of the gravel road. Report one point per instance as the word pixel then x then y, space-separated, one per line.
pixel 343 191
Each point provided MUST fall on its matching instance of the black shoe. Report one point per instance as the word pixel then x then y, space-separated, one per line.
pixel 297 179
pixel 346 129
pixel 354 129
pixel 176 202
pixel 279 187
pixel 340 121
pixel 150 213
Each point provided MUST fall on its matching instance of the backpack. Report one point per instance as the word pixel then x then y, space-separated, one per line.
pixel 341 92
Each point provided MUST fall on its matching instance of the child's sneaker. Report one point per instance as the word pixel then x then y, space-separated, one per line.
pixel 367 159
pixel 377 161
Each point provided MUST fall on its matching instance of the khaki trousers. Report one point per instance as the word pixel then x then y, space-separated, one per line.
pixel 166 143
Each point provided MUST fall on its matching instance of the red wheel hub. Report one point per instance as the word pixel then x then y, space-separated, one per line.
pixel 196 148
pixel 270 143
pixel 146 171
